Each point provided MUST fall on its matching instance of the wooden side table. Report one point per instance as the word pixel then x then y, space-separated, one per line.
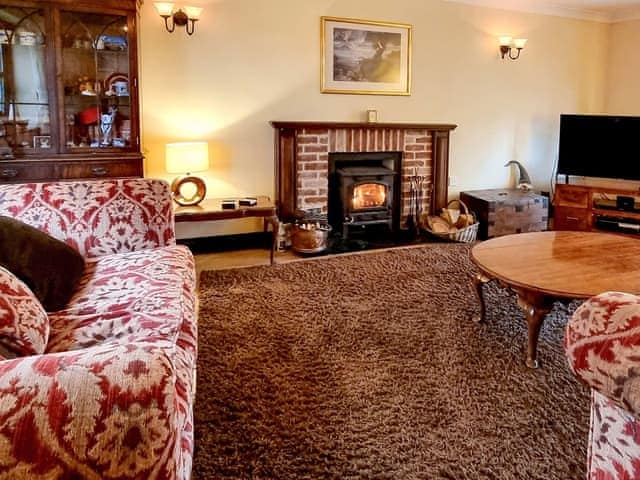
pixel 211 209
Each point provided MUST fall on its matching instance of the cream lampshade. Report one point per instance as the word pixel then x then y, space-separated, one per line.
pixel 185 158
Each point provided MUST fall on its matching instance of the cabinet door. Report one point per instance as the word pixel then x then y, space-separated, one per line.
pixel 98 111
pixel 25 111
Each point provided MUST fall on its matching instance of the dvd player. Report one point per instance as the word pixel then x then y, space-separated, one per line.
pixel 606 204
pixel 617 224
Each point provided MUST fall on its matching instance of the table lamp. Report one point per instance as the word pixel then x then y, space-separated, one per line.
pixel 185 158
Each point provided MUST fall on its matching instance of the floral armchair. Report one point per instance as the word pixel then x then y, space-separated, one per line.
pixel 602 344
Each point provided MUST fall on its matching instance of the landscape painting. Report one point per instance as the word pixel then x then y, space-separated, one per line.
pixel 365 57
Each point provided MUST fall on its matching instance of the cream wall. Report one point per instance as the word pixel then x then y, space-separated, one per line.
pixel 623 73
pixel 252 61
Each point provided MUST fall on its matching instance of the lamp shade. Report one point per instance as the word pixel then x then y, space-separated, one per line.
pixel 164 8
pixel 193 12
pixel 519 42
pixel 187 157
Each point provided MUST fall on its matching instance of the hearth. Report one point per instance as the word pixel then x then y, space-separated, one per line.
pixel 364 190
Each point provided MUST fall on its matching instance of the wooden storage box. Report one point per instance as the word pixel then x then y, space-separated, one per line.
pixel 507 211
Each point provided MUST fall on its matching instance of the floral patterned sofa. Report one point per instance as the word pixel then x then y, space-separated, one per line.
pixel 602 345
pixel 112 395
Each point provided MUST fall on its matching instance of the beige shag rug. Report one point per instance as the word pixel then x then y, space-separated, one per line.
pixel 369 367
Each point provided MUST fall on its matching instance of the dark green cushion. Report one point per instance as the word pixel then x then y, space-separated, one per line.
pixel 51 268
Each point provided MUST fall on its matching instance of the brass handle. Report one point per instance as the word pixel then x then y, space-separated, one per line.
pixel 8 173
pixel 575 219
pixel 99 170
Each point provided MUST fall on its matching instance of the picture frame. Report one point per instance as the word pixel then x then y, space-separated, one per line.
pixel 365 57
pixel 42 141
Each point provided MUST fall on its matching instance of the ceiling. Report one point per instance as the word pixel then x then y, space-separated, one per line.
pixel 598 10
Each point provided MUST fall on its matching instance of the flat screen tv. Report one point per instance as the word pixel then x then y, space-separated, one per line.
pixel 599 146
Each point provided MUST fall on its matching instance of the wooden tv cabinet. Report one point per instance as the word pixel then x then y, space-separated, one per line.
pixel 575 206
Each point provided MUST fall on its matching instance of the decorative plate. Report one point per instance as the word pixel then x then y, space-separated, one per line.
pixel 113 78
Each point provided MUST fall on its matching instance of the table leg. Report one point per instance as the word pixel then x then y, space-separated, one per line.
pixel 478 281
pixel 535 308
pixel 275 224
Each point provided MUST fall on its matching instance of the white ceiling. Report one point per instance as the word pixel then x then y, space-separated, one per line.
pixel 599 10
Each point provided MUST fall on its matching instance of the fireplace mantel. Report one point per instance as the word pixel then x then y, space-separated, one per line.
pixel 302 148
pixel 441 127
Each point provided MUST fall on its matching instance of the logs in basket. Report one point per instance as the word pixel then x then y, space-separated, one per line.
pixel 454 224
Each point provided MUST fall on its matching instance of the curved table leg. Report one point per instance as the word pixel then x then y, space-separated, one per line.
pixel 535 307
pixel 478 281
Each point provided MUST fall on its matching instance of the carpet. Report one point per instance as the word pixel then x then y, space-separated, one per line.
pixel 368 366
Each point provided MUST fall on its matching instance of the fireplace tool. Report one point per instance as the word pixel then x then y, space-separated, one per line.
pixel 416 183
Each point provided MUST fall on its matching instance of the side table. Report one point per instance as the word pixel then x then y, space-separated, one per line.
pixel 211 209
pixel 503 211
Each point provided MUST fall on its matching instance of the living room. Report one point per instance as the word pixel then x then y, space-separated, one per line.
pixel 371 365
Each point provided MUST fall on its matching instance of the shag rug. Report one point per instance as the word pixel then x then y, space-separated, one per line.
pixel 368 366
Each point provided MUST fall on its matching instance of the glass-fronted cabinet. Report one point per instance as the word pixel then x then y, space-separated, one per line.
pixel 68 90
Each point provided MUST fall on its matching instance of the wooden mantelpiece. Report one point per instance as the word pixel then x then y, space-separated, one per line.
pixel 428 126
pixel 305 145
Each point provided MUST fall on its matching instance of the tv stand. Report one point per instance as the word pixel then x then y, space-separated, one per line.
pixel 580 207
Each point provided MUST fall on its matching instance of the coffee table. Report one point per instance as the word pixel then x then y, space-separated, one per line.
pixel 542 267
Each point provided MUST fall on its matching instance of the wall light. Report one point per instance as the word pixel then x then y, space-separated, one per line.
pixel 183 18
pixel 187 157
pixel 508 45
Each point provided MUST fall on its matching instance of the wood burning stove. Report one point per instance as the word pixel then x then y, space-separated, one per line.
pixel 366 196
pixel 364 190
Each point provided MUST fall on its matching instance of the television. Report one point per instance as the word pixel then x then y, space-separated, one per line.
pixel 604 146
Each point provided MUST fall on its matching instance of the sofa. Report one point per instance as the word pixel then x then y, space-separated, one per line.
pixel 111 396
pixel 602 345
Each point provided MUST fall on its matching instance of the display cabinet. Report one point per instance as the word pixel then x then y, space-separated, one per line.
pixel 68 90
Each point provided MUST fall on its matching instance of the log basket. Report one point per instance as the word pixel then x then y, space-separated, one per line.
pixel 466 234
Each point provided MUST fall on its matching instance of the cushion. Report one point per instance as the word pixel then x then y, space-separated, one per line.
pixel 24 325
pixel 49 267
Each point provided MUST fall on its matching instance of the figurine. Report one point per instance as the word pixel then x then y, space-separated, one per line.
pixel 106 124
pixel 524 181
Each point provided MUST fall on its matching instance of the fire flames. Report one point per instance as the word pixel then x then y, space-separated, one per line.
pixel 369 195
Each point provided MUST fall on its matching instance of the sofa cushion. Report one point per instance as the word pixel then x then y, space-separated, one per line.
pixel 125 298
pixel 24 326
pixel 50 267
pixel 97 217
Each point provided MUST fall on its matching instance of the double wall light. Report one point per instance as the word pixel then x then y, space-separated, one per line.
pixel 508 45
pixel 186 17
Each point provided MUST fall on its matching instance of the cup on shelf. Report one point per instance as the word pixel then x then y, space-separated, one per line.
pixel 121 88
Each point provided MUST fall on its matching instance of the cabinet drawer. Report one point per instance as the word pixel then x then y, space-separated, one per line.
pixel 565 218
pixel 571 196
pixel 20 173
pixel 99 169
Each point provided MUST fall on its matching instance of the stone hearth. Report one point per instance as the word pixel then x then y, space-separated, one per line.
pixel 302 159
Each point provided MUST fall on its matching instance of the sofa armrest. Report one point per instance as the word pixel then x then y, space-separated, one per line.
pixel 602 346
pixel 104 412
pixel 96 217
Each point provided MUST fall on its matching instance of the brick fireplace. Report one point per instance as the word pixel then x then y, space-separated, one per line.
pixel 302 160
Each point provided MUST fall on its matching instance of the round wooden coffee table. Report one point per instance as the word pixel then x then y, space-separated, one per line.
pixel 543 267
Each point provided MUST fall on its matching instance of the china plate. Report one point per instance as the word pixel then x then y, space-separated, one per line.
pixel 113 78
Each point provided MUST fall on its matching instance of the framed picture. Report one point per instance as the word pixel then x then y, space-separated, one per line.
pixel 365 57
pixel 42 141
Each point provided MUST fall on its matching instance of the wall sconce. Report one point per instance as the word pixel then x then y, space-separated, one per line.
pixel 182 18
pixel 508 45
pixel 187 157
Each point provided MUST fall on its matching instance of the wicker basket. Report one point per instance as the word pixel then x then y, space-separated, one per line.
pixel 467 234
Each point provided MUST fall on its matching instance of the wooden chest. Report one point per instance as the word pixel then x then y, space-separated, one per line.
pixel 506 211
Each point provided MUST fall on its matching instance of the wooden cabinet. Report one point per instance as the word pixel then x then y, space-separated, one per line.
pixel 69 104
pixel 578 207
